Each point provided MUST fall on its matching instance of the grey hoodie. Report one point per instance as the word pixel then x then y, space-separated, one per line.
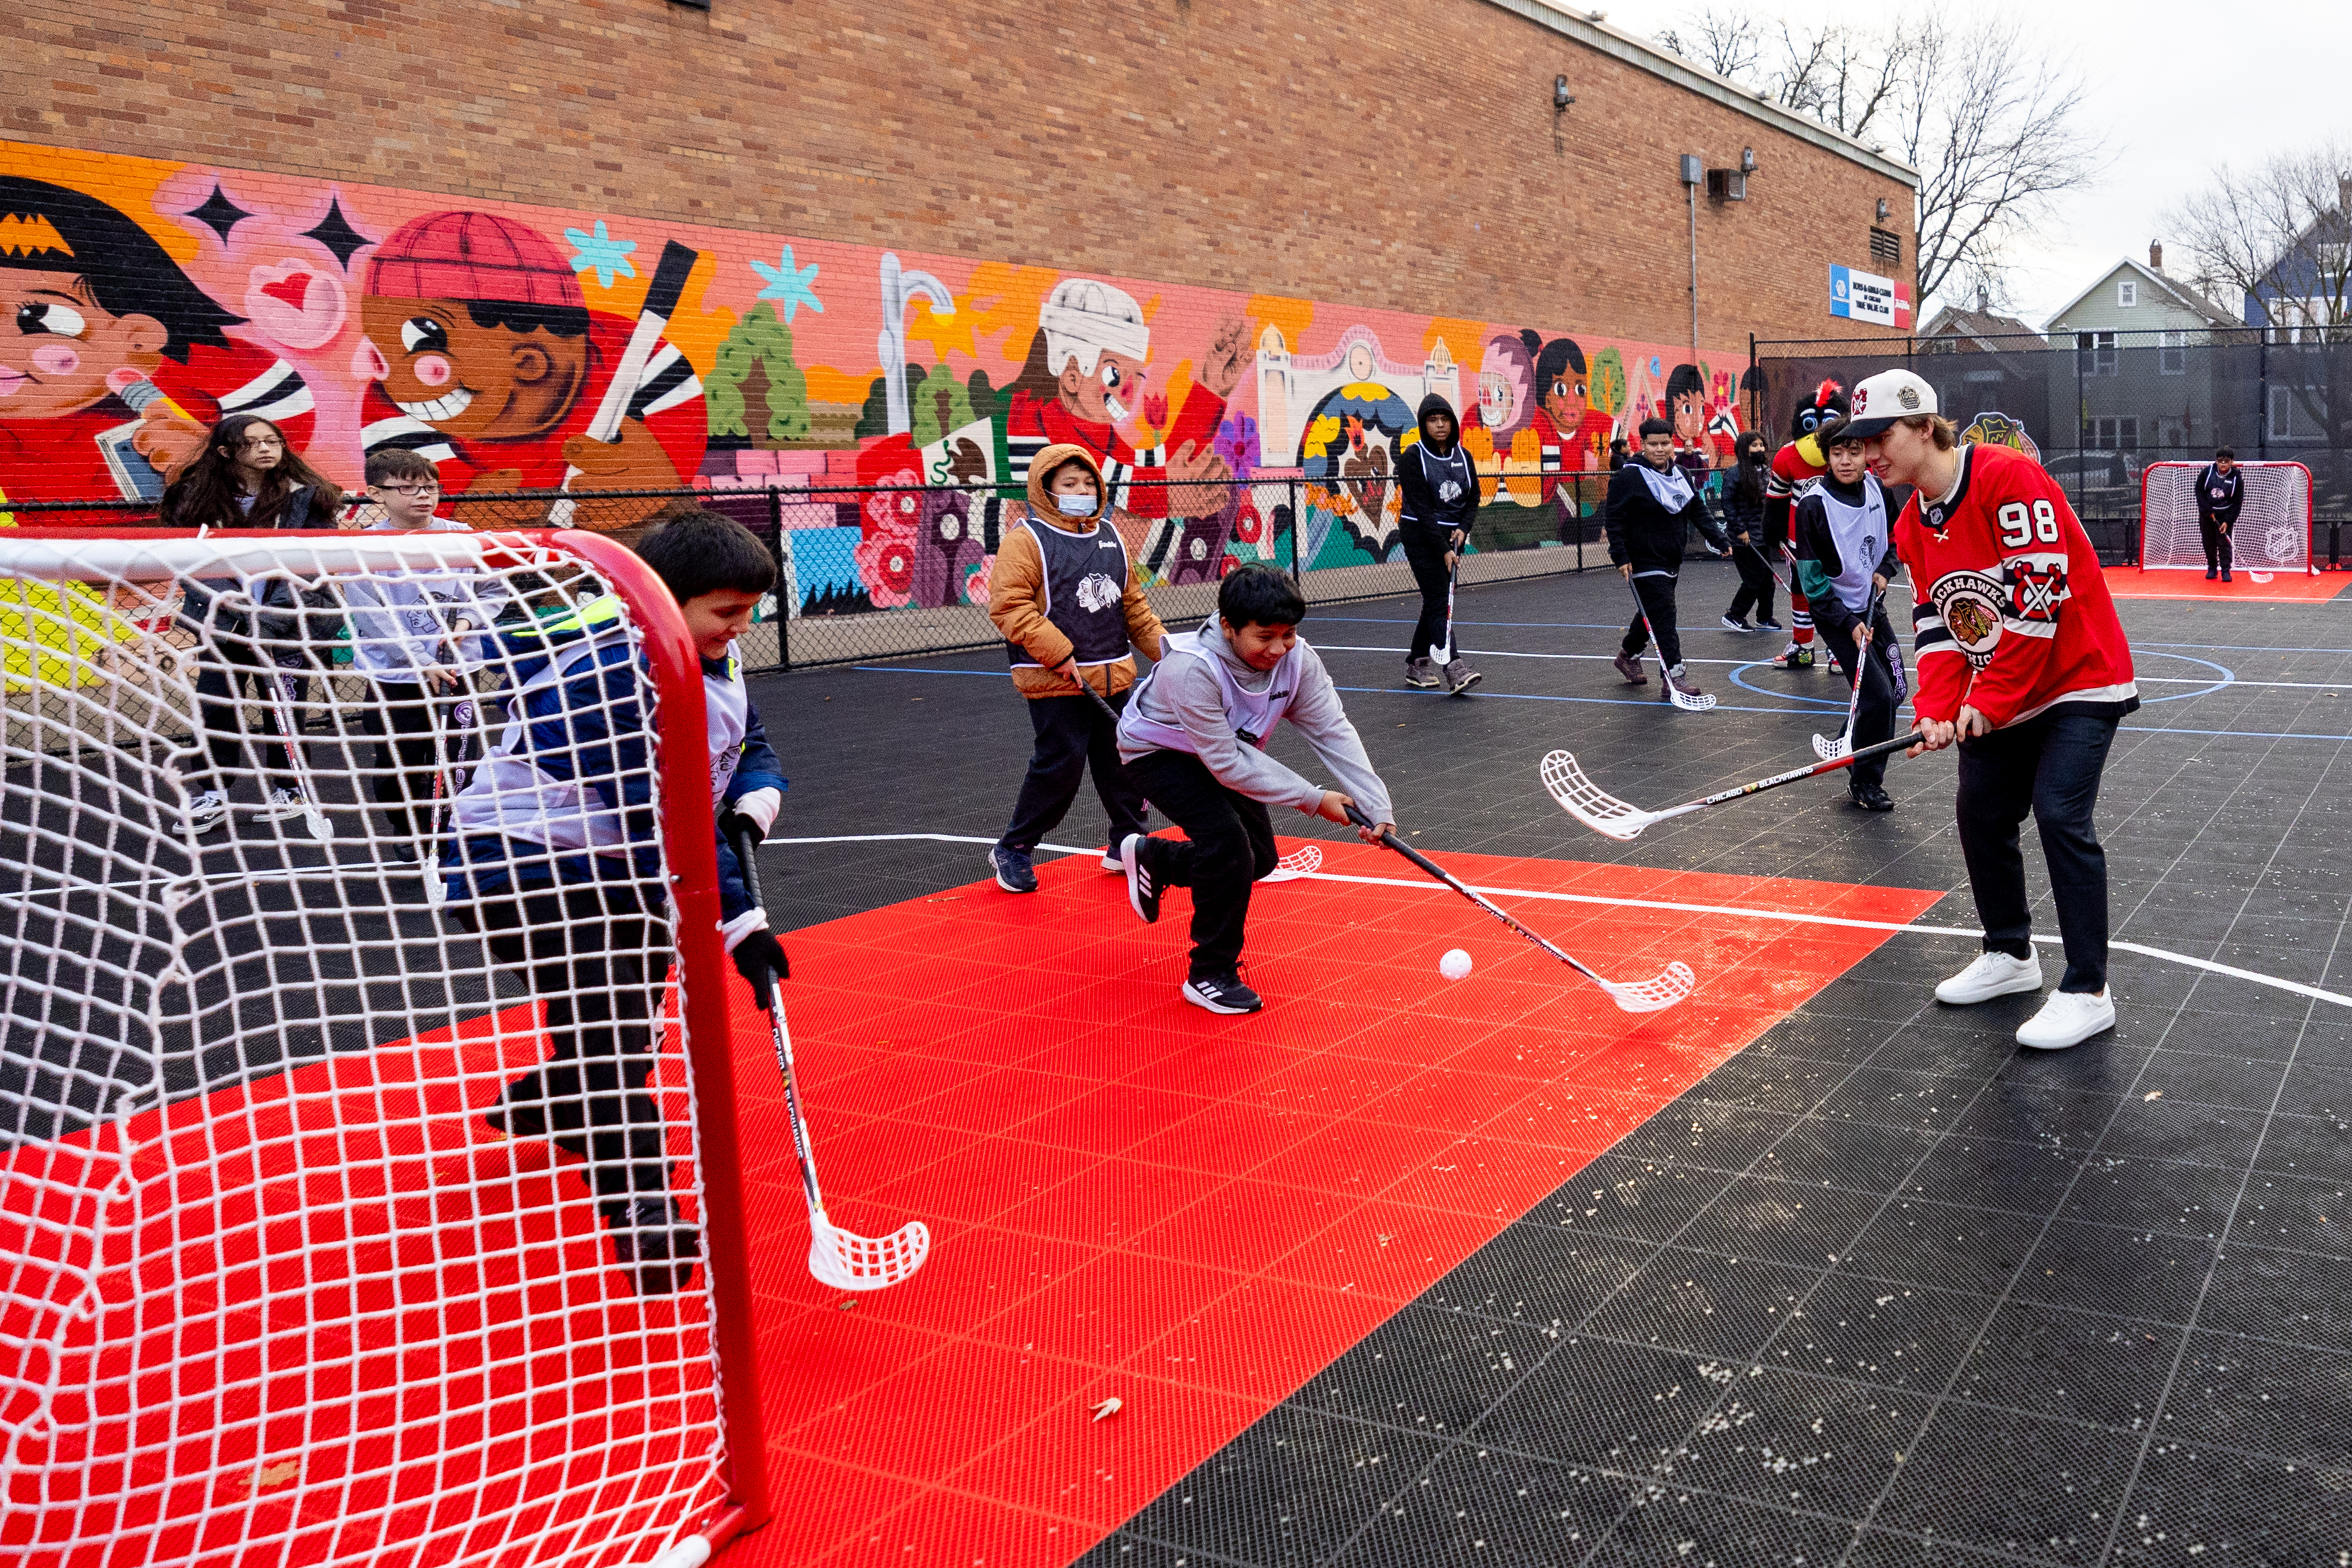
pixel 1185 692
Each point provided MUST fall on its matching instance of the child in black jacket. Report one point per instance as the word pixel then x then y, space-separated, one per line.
pixel 1437 485
pixel 1650 512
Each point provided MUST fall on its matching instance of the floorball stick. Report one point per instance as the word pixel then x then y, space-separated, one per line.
pixel 838 1258
pixel 278 682
pixel 1663 990
pixel 1453 577
pixel 1767 565
pixel 445 762
pixel 1823 747
pixel 662 297
pixel 1603 813
pixel 1689 701
pixel 1303 861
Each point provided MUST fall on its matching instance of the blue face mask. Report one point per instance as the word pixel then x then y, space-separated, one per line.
pixel 1075 506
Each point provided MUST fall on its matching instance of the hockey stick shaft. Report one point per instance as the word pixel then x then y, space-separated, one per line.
pixel 1453 577
pixel 1069 667
pixel 1390 841
pixel 747 858
pixel 1758 786
pixel 1767 562
pixel 1861 663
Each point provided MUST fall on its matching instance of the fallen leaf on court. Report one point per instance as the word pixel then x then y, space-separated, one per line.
pixel 1108 1408
pixel 273 1475
pixel 2153 1094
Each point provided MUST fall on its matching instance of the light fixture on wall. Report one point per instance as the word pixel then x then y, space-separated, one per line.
pixel 1886 209
pixel 1561 99
pixel 1747 160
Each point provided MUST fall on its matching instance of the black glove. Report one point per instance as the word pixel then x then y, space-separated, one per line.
pixel 758 957
pixel 732 822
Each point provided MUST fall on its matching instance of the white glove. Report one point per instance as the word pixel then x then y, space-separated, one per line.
pixel 760 808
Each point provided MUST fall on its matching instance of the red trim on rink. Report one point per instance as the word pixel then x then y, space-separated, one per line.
pixel 1130 1198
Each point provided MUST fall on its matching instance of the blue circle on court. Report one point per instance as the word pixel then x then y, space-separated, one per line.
pixel 2228 677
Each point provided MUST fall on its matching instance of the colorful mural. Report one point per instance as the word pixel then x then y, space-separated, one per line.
pixel 523 348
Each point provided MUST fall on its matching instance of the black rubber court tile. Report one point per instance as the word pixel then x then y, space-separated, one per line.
pixel 1477 1505
pixel 2043 1489
pixel 1881 1289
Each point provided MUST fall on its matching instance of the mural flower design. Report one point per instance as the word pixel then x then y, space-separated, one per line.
pixel 1237 443
pixel 886 563
pixel 1248 526
pixel 975 587
pixel 602 254
pixel 788 286
pixel 898 506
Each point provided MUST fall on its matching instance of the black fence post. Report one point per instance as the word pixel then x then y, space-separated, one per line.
pixel 783 589
pixel 2262 397
pixel 1298 578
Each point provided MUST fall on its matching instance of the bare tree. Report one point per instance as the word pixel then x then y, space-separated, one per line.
pixel 2279 238
pixel 1990 121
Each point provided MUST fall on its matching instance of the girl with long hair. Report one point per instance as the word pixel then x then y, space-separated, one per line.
pixel 246 478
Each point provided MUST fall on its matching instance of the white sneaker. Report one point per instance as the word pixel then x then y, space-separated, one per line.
pixel 284 802
pixel 2068 1018
pixel 206 811
pixel 1992 974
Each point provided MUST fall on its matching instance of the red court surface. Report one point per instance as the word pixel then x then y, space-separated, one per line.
pixel 2171 583
pixel 373 1321
pixel 1130 1198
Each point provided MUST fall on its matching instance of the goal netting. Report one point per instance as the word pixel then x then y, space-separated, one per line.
pixel 2273 532
pixel 351 1210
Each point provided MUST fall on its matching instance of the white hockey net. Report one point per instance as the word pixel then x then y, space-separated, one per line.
pixel 2273 532
pixel 272 1288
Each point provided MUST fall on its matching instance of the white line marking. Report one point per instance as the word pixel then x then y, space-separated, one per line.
pixel 1734 912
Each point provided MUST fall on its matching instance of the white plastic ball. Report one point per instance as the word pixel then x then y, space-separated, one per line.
pixel 1454 966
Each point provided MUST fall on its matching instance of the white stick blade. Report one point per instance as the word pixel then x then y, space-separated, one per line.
pixel 848 1261
pixel 1587 802
pixel 1656 994
pixel 321 828
pixel 1690 701
pixel 1828 750
pixel 1301 862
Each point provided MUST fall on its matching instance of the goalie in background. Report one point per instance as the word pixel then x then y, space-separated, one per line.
pixel 558 866
pixel 1070 604
pixel 2220 492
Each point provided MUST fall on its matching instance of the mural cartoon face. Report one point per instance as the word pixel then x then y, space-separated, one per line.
pixel 1108 396
pixel 1503 387
pixel 1690 419
pixel 62 351
pixel 442 366
pixel 1565 400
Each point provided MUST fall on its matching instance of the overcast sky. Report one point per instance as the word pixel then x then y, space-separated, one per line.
pixel 2173 89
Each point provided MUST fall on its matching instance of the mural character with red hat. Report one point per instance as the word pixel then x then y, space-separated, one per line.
pixel 113 363
pixel 487 359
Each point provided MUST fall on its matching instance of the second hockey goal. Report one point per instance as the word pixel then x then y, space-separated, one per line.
pixel 2273 532
pixel 292 1271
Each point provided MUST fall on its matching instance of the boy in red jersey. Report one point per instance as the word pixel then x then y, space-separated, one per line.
pixel 2021 660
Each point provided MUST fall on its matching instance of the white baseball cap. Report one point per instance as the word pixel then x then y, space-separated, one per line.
pixel 1883 400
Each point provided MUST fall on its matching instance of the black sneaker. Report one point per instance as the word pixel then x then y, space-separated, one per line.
pixel 652 1236
pixel 1735 623
pixel 2210 573
pixel 1015 873
pixel 2225 575
pixel 1766 623
pixel 1142 887
pixel 1222 994
pixel 1870 797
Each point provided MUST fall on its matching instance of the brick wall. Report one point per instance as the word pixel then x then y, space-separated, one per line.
pixel 1403 161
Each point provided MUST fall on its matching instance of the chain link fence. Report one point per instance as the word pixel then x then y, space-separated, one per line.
pixel 886 572
pixel 2100 407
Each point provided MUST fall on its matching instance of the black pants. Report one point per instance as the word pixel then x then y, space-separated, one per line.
pixel 233 664
pixel 2217 545
pixel 1756 583
pixel 1424 551
pixel 1230 845
pixel 1072 734
pixel 1656 593
pixel 1873 718
pixel 597 961
pixel 2050 765
pixel 401 719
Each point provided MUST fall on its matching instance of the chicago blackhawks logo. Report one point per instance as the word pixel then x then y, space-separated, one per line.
pixel 1096 592
pixel 1970 604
